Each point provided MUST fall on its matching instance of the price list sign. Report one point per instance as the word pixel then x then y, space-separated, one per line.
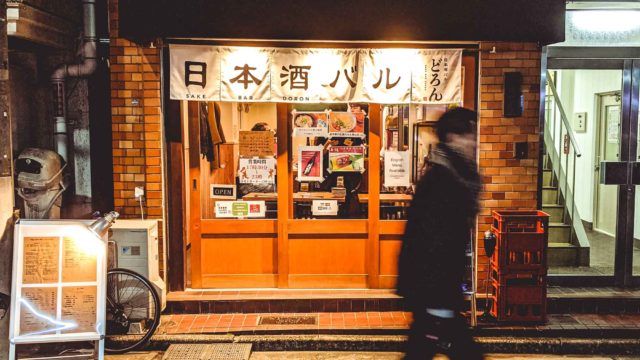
pixel 58 284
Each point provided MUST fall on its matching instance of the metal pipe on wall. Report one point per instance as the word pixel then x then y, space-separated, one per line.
pixel 84 68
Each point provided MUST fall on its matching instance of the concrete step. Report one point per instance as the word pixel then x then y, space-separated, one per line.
pixel 547 178
pixel 555 211
pixel 549 195
pixel 563 254
pixel 559 232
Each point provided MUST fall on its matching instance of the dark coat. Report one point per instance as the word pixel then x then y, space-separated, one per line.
pixel 432 259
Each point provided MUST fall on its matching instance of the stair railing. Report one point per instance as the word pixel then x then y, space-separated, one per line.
pixel 562 147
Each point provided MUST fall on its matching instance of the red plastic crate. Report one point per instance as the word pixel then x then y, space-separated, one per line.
pixel 519 303
pixel 521 240
pixel 521 278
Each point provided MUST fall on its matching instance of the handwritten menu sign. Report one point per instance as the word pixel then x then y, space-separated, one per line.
pixel 79 306
pixel 59 286
pixel 77 263
pixel 40 261
pixel 45 301
pixel 256 143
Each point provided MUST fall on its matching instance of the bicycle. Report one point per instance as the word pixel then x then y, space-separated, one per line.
pixel 133 307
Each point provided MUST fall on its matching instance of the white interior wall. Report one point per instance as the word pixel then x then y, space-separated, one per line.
pixel 577 90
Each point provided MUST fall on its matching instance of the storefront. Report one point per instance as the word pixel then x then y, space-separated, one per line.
pixel 290 164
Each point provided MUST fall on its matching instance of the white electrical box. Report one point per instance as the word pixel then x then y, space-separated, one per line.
pixel 137 249
pixel 580 122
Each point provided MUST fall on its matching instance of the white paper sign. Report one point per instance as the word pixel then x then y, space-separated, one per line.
pixel 324 207
pixel 396 168
pixel 240 209
pixel 437 77
pixel 245 74
pixel 195 72
pixel 257 171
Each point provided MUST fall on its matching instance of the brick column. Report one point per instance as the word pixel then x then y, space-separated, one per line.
pixel 136 122
pixel 509 183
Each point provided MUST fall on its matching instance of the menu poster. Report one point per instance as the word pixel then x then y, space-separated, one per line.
pixel 256 143
pixel 38 311
pixel 396 168
pixel 78 264
pixel 346 124
pixel 79 306
pixel 310 124
pixel 310 166
pixel 40 260
pixel 346 159
pixel 257 171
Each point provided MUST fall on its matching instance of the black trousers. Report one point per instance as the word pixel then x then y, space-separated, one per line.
pixel 430 335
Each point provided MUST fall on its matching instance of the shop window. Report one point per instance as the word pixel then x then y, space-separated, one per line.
pixel 407 136
pixel 238 173
pixel 329 160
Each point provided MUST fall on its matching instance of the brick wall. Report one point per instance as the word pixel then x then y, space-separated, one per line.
pixel 509 183
pixel 136 122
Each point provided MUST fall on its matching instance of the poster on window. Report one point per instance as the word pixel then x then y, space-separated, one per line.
pixel 346 124
pixel 346 159
pixel 397 168
pixel 310 163
pixel 256 143
pixel 310 123
pixel 257 171
pixel 240 209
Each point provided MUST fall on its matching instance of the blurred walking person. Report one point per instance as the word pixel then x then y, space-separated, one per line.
pixel 432 259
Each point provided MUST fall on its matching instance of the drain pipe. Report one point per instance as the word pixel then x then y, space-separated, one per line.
pixel 85 68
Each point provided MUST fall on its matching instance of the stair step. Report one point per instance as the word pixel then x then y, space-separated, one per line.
pixel 555 211
pixel 549 195
pixel 559 233
pixel 547 178
pixel 565 254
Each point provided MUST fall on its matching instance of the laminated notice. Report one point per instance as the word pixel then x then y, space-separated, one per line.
pixel 40 260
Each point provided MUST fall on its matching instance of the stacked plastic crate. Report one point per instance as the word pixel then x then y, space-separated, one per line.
pixel 519 266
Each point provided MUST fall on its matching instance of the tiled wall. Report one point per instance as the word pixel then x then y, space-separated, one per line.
pixel 136 123
pixel 509 183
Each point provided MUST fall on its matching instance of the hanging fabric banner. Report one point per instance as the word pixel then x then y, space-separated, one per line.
pixel 437 77
pixel 195 72
pixel 314 75
pixel 245 74
pixel 387 75
pixel 301 75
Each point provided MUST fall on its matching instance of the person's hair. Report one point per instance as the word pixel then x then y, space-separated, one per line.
pixel 456 121
pixel 261 126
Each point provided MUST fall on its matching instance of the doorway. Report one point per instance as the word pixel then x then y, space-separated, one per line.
pixel 608 149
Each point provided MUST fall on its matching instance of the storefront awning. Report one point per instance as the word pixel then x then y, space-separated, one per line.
pixel 354 20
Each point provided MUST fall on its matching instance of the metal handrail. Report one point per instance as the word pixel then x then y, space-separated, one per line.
pixel 563 115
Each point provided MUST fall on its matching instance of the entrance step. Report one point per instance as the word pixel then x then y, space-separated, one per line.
pixel 559 232
pixel 549 195
pixel 565 254
pixel 592 300
pixel 555 211
pixel 282 301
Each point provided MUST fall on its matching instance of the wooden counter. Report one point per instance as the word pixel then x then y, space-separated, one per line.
pixel 387 198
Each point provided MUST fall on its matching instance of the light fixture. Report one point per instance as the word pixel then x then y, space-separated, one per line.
pixel 102 225
pixel 606 20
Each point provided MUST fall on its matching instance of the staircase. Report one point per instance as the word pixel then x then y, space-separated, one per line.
pixel 564 249
pixel 568 242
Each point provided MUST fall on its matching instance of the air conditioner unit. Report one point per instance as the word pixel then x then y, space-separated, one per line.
pixel 137 249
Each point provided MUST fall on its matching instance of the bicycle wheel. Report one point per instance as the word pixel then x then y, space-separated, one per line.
pixel 133 311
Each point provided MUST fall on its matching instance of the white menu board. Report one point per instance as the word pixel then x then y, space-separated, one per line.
pixel 59 288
